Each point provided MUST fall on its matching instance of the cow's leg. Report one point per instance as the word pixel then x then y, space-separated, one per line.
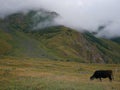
pixel 110 78
pixel 100 79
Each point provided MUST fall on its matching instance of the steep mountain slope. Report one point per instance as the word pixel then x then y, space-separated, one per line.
pixel 67 43
pixel 110 50
pixel 22 35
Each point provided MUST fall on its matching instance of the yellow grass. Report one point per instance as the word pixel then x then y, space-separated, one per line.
pixel 47 72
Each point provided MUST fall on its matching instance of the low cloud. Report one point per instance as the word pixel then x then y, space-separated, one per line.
pixel 44 19
pixel 77 14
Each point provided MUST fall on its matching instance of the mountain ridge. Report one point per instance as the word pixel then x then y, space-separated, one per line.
pixel 54 42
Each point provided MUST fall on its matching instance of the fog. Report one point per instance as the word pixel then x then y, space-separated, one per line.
pixel 77 14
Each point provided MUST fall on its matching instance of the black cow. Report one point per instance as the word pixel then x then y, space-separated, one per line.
pixel 102 74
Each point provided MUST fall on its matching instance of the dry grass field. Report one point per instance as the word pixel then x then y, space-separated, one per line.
pixel 43 74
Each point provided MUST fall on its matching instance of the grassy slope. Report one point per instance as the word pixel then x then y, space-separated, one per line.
pixel 110 50
pixel 44 74
pixel 74 46
pixel 60 43
pixel 60 40
pixel 5 46
pixel 21 45
pixel 57 40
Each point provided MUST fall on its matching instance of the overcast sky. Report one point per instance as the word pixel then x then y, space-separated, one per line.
pixel 87 14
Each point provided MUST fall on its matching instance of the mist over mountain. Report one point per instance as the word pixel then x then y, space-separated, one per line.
pixel 78 14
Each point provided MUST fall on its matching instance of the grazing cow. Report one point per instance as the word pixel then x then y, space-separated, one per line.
pixel 102 74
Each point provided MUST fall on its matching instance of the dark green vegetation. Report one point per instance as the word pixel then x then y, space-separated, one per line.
pixel 21 37
pixel 44 74
pixel 116 40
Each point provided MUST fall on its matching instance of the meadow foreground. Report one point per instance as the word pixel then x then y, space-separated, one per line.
pixel 43 74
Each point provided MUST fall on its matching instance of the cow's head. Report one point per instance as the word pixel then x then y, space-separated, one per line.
pixel 92 78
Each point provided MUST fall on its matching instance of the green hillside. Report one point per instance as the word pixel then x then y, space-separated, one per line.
pixel 5 45
pixel 18 38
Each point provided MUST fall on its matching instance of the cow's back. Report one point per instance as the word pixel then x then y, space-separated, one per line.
pixel 102 73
